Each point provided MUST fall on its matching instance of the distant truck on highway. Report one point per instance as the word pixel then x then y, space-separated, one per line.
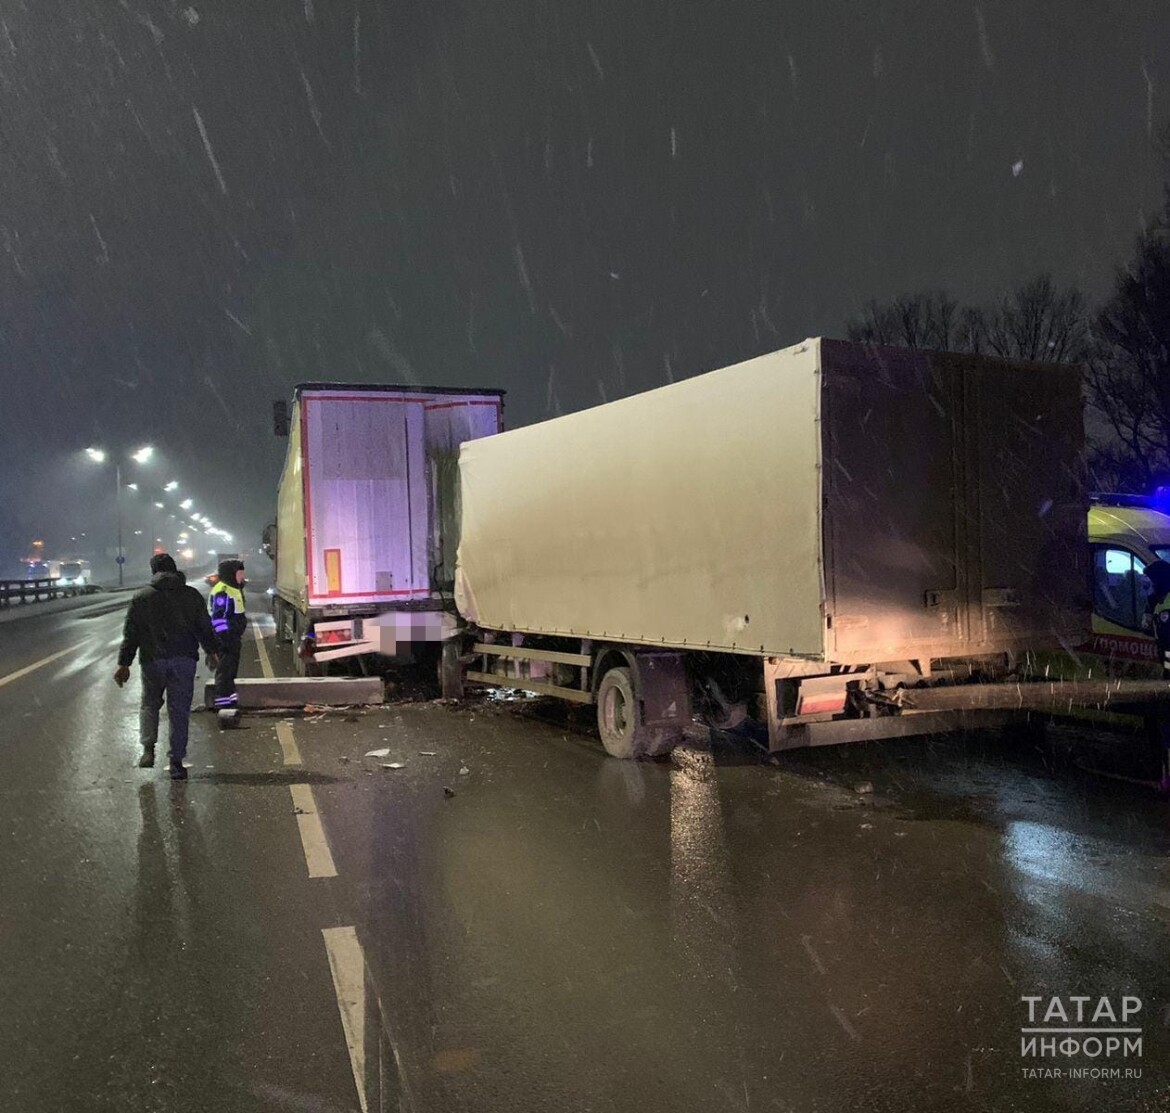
pixel 367 513
pixel 70 573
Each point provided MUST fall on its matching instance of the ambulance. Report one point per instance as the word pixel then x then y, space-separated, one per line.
pixel 1126 533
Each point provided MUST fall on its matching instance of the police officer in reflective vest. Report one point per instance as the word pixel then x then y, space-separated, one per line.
pixel 229 621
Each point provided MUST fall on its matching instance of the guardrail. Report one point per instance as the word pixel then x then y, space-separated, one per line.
pixel 32 591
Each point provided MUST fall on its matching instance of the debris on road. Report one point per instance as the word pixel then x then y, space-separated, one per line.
pixel 428 753
pixel 864 787
pixel 313 709
pixel 384 752
pixel 448 792
pixel 393 765
pixel 463 771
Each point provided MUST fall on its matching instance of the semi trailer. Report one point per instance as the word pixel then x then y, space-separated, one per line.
pixel 367 517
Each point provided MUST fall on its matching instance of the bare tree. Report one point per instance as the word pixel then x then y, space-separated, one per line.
pixel 932 320
pixel 1128 374
pixel 1035 322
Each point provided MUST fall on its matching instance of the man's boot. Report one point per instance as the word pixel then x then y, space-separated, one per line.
pixel 146 761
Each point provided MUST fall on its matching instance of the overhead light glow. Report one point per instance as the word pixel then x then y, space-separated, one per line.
pixel 96 454
pixel 144 453
pixel 132 486
pixel 172 486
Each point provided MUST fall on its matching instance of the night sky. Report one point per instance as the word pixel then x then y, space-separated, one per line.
pixel 204 204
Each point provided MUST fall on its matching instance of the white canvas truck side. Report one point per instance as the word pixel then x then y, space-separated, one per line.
pixel 836 539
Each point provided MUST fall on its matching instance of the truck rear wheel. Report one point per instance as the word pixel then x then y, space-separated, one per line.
pixel 618 714
pixel 619 720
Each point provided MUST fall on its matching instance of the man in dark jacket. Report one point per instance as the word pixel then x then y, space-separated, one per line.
pixel 165 625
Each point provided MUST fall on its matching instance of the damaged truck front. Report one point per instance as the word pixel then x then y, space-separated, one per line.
pixel 811 538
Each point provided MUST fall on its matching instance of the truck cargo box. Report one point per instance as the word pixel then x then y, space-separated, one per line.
pixel 833 502
pixel 366 508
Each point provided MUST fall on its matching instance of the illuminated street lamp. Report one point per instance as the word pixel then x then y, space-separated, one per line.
pixel 172 486
pixel 98 456
pixel 186 504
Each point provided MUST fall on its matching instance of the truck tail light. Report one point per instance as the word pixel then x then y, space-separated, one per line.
pixel 337 636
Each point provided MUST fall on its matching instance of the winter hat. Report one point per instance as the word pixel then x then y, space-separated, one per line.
pixel 162 562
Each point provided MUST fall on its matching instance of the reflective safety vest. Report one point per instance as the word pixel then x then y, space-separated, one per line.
pixel 225 602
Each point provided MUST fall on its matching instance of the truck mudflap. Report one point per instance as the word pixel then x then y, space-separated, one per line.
pixel 855 707
pixel 393 634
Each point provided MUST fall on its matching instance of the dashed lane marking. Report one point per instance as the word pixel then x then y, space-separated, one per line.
pixel 38 664
pixel 348 966
pixel 363 1018
pixel 316 846
pixel 265 663
pixel 288 744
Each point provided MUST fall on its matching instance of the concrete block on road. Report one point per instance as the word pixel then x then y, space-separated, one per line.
pixel 256 693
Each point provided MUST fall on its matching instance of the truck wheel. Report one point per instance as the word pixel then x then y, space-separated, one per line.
pixel 618 714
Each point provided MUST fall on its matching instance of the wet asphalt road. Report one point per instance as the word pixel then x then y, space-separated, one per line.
pixel 565 932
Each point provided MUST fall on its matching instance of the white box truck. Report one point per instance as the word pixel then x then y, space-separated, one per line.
pixel 367 516
pixel 807 537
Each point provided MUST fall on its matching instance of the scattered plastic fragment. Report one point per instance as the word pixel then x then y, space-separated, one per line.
pixel 393 765
pixel 384 752
pixel 448 792
pixel 428 753
pixel 313 709
pixel 463 770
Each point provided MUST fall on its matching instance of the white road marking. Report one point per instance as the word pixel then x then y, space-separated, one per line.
pixel 316 846
pixel 265 663
pixel 288 744
pixel 38 664
pixel 348 966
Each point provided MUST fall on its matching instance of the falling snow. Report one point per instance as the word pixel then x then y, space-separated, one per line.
pixel 210 152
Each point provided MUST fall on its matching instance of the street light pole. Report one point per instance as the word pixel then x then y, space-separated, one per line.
pixel 118 504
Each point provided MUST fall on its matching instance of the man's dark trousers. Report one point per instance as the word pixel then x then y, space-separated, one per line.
pixel 174 678
pixel 229 665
